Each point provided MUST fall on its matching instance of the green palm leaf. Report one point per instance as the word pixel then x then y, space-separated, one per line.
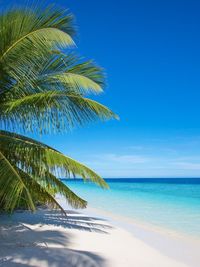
pixel 72 109
pixel 29 34
pixel 12 186
pixel 21 26
pixel 33 164
pixel 40 191
pixel 56 71
pixel 27 153
pixel 77 81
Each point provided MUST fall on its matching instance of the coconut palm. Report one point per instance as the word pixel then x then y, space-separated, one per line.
pixel 44 88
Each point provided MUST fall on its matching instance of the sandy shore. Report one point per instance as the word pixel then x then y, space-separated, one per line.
pixel 82 240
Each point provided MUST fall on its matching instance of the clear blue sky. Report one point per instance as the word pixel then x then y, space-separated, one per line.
pixel 151 53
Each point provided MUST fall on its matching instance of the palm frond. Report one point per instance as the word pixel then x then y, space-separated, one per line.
pixel 29 34
pixel 28 153
pixel 50 183
pixel 23 25
pixel 12 186
pixel 74 81
pixel 39 193
pixel 56 72
pixel 52 110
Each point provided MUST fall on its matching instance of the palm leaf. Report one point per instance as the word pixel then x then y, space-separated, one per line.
pixel 29 34
pixel 41 192
pixel 12 186
pixel 56 71
pixel 23 25
pixel 74 81
pixel 27 153
pixel 50 183
pixel 42 111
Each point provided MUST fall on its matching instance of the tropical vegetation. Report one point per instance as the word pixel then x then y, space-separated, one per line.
pixel 44 88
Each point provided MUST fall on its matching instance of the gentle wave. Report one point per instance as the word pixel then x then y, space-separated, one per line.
pixel 170 203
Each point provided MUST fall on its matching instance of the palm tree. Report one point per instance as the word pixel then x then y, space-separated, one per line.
pixel 43 88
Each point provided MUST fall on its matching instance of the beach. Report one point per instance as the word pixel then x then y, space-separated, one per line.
pixel 83 239
pixel 124 194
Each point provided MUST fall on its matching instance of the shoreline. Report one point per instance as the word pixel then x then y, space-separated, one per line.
pixel 130 223
pixel 87 239
pixel 180 246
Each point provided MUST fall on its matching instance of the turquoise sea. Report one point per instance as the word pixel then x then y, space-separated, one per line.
pixel 170 203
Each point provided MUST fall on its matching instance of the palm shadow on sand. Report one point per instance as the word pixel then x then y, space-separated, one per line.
pixel 20 242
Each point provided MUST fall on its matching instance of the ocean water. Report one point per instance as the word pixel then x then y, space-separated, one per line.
pixel 170 203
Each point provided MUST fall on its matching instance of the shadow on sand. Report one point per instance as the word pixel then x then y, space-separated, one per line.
pixel 25 242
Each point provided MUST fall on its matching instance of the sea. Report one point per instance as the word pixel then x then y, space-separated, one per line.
pixel 170 203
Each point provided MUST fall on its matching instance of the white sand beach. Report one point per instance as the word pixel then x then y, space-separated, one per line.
pixel 47 239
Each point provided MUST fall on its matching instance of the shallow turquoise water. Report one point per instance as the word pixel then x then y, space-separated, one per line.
pixel 171 204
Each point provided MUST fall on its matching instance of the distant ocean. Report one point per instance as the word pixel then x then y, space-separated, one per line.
pixel 170 203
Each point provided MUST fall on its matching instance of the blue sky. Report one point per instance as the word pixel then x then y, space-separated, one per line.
pixel 150 51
